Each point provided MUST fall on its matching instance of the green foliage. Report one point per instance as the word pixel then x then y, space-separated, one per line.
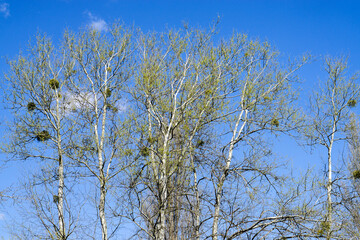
pixel 56 198
pixel 54 84
pixel 128 152
pixel 145 151
pixel 43 136
pixel 31 106
pixel 208 92
pixel 356 174
pixel 199 143
pixel 267 98
pixel 112 108
pixel 324 227
pixel 151 140
pixel 352 103
pixel 161 150
pixel 275 122
pixel 108 92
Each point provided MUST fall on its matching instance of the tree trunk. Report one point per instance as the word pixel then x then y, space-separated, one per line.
pixel 163 190
pixel 102 211
pixel 197 208
pixel 60 199
pixel 329 184
pixel 225 171
pixel 103 177
pixel 329 201
pixel 218 192
pixel 162 201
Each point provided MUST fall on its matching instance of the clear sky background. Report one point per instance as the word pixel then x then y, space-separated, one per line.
pixel 320 27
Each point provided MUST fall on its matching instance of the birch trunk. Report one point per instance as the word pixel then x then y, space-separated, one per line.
pixel 329 184
pixel 60 204
pixel 225 172
pixel 100 148
pixel 162 199
pixel 60 197
pixel 102 211
pixel 102 179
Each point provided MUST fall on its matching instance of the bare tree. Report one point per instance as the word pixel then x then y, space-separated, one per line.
pixel 175 92
pixel 188 89
pixel 330 115
pixel 69 104
pixel 40 130
pixel 259 103
pixel 349 188
pixel 172 133
pixel 98 66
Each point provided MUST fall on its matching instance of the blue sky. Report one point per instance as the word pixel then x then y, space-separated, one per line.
pixel 293 27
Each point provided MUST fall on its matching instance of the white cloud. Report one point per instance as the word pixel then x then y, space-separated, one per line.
pixel 97 24
pixel 5 9
pixel 73 102
pixel 2 216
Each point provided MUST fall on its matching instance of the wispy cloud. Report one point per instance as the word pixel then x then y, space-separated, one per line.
pixel 73 102
pixel 5 9
pixel 96 23
pixel 2 216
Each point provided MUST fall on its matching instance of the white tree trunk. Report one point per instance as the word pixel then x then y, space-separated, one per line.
pixel 225 171
pixel 60 198
pixel 329 183
pixel 100 150
pixel 102 211
pixel 162 198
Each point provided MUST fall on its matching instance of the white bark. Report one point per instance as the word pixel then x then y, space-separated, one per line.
pixel 100 139
pixel 218 191
pixel 60 197
pixel 60 204
pixel 102 211
pixel 329 184
pixel 162 194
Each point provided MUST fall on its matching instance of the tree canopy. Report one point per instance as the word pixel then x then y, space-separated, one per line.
pixel 169 136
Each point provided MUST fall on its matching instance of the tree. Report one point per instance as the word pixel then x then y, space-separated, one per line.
pixel 188 89
pixel 330 114
pixel 40 130
pixel 172 132
pixel 68 104
pixel 349 190
pixel 173 91
pixel 98 66
pixel 260 96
